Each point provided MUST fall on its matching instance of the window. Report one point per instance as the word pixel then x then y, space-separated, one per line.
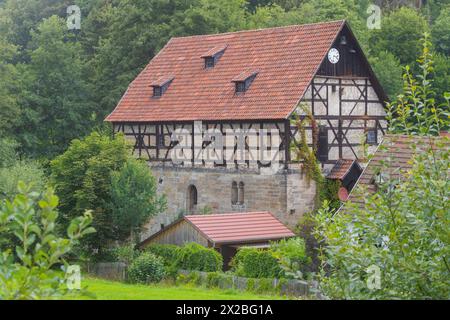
pixel 244 80
pixel 212 56
pixel 371 136
pixel 241 193
pixel 160 140
pixel 240 86
pixel 191 199
pixel 161 85
pixel 234 193
pixel 157 91
pixel 209 62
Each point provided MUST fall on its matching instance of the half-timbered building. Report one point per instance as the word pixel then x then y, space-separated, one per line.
pixel 213 116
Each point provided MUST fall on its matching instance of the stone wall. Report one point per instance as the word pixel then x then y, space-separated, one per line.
pixel 285 193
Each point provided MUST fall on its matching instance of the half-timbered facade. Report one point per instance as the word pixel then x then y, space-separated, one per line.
pixel 213 115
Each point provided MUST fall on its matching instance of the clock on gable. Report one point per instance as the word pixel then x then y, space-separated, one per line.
pixel 333 55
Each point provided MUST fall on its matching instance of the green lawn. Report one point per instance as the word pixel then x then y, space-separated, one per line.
pixel 110 290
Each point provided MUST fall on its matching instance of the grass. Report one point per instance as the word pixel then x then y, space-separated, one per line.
pixel 111 290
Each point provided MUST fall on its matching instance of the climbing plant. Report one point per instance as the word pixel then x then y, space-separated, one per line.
pixel 325 189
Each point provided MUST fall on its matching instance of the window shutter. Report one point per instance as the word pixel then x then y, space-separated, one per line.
pixel 322 147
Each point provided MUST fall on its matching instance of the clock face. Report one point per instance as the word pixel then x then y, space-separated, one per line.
pixel 333 55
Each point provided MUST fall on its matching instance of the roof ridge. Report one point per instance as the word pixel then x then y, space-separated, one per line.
pixel 260 29
pixel 226 214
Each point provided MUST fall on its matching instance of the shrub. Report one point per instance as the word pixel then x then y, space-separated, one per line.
pixel 196 257
pixel 167 252
pixel 126 253
pixel 291 254
pixel 32 269
pixel 146 268
pixel 213 280
pixel 256 263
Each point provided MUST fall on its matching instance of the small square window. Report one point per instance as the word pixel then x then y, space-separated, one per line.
pixel 371 136
pixel 157 91
pixel 209 62
pixel 240 86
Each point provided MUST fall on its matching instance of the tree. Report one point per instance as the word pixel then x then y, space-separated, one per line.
pixel 389 71
pixel 133 198
pixel 441 76
pixel 400 33
pixel 82 180
pixel 8 154
pixel 441 31
pixel 19 17
pixel 55 100
pixel 400 231
pixel 133 31
pixel 30 270
pixel 9 109
pixel 28 171
pixel 416 111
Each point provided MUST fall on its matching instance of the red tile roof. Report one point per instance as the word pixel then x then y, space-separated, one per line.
pixel 286 57
pixel 162 81
pixel 239 227
pixel 340 169
pixel 394 155
pixel 244 75
pixel 212 52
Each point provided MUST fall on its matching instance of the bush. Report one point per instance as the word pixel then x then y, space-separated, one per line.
pixel 167 252
pixel 196 257
pixel 292 257
pixel 256 263
pixel 126 253
pixel 146 268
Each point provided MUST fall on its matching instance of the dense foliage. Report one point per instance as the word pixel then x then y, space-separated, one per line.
pixel 82 178
pixel 418 110
pixel 145 269
pixel 292 256
pixel 167 252
pixel 133 198
pixel 256 263
pixel 99 173
pixel 401 230
pixel 30 270
pixel 57 84
pixel 193 256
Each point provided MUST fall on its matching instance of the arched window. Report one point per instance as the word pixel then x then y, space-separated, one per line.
pixel 234 193
pixel 241 193
pixel 191 198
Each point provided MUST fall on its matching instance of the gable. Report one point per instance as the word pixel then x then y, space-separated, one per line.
pixel 352 62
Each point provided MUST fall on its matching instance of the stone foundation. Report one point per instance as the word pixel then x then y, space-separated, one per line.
pixel 286 193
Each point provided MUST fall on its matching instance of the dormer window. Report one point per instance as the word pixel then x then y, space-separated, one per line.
pixel 157 92
pixel 161 85
pixel 209 62
pixel 244 80
pixel 213 55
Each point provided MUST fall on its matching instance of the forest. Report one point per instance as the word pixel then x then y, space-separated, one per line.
pixel 57 85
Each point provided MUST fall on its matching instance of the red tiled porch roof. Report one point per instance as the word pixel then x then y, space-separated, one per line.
pixel 239 227
pixel 286 58
pixel 340 169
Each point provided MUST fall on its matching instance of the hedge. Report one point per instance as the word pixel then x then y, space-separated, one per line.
pixel 191 256
pixel 256 263
pixel 168 252
pixel 196 257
